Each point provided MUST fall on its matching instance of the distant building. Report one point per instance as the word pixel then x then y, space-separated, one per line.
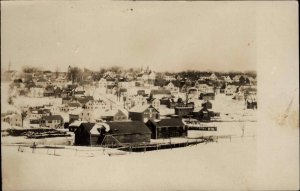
pixel 112 133
pixel 183 111
pixel 143 113
pixel 160 93
pixel 167 128
pixel 52 121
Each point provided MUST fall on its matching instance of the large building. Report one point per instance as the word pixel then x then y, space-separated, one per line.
pixel 167 128
pixel 112 133
pixel 143 113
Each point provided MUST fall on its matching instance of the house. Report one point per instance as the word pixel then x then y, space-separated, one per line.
pixel 236 78
pixel 141 92
pixel 74 114
pixel 251 102
pixel 230 90
pixel 167 128
pixel 207 96
pixel 204 88
pixel 183 111
pixel 160 93
pixel 38 113
pixel 170 86
pixel 102 83
pixel 13 119
pixel 239 96
pixel 123 83
pixel 52 121
pixel 213 77
pixel 112 133
pixel 111 89
pixel 207 104
pixel 143 113
pixel 36 92
pixel 66 100
pixel 169 78
pixel 227 79
pixel 84 100
pixel 112 115
pixel 41 82
pixel 57 91
pixel 96 104
pixel 155 103
pixel 222 89
pixel 49 91
pixel 204 114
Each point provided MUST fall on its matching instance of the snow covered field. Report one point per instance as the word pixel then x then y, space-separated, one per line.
pixel 222 165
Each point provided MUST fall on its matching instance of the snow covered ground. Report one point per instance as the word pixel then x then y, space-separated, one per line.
pixel 222 165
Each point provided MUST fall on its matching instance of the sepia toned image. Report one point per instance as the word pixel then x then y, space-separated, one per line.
pixel 149 95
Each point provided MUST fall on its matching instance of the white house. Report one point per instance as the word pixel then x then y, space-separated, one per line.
pixel 228 79
pixel 96 104
pixel 169 78
pixel 230 90
pixel 170 86
pixel 52 121
pixel 102 83
pixel 36 92
pixel 213 76
pixel 155 103
pixel 204 88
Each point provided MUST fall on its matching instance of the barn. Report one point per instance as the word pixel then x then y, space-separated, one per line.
pixel 167 128
pixel 143 113
pixel 112 133
pixel 126 132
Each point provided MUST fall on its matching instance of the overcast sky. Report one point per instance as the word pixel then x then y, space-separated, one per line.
pixel 166 36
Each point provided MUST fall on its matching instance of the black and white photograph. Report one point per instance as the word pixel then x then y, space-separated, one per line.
pixel 149 95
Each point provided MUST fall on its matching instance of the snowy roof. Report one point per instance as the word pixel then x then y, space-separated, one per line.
pixel 94 130
pixel 139 108
pixel 168 122
pixel 76 111
pixel 128 127
pixel 77 123
pixel 53 117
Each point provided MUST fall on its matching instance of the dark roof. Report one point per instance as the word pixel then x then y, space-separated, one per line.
pixel 85 99
pixel 73 104
pixel 208 94
pixel 52 117
pixel 168 122
pixel 161 91
pixel 87 126
pixel 128 127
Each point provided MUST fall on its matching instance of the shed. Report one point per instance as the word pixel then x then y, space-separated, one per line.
pixel 167 128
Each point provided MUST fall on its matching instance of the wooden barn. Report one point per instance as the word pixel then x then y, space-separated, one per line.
pixel 88 134
pixel 143 113
pixel 167 128
pixel 126 132
pixel 203 114
pixel 112 133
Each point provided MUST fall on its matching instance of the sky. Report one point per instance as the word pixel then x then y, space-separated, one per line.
pixel 166 36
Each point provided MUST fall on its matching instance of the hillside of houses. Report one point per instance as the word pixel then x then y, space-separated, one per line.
pixel 114 106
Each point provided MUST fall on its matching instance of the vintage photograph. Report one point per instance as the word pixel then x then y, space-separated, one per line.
pixel 139 95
